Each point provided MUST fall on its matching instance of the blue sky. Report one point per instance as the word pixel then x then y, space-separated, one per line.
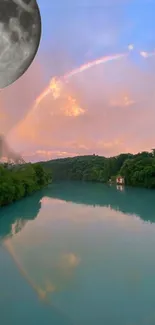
pixel 117 98
pixel 85 30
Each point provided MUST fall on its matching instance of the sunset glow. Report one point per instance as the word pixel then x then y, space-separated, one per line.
pixel 89 93
pixel 55 84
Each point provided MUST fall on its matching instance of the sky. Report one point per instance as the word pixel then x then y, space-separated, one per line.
pixel 105 109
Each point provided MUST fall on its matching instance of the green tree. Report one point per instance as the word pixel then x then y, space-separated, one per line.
pixel 19 181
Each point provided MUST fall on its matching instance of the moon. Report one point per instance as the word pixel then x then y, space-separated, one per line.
pixel 20 33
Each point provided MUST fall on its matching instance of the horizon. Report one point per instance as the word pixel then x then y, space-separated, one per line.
pixel 108 157
pixel 16 155
pixel 91 155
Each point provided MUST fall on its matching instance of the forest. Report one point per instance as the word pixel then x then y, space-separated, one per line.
pixel 137 170
pixel 18 181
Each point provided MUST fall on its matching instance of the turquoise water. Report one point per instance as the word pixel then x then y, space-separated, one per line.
pixel 78 254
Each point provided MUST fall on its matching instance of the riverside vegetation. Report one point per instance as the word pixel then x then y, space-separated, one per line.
pixel 138 170
pixel 17 182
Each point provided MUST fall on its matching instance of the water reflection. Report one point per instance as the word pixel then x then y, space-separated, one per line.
pixel 67 236
pixel 120 188
pixel 32 250
pixel 139 202
pixel 45 274
pixel 14 217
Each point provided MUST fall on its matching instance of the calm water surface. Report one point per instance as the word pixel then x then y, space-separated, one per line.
pixel 78 254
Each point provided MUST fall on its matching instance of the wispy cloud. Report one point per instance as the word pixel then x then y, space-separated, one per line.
pixel 106 109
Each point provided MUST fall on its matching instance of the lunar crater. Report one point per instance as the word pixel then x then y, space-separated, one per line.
pixel 20 32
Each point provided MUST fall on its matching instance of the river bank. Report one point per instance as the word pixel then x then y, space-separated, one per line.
pixel 136 170
pixel 20 181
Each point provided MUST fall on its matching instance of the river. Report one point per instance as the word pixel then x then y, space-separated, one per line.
pixel 78 254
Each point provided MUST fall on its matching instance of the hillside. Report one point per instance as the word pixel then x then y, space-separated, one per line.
pixel 138 169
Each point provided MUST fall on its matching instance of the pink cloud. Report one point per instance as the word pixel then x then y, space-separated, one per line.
pixel 117 116
pixel 16 99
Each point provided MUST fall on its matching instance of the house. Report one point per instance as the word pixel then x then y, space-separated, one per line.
pixel 120 180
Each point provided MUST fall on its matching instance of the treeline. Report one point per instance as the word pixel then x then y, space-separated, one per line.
pixel 138 170
pixel 19 181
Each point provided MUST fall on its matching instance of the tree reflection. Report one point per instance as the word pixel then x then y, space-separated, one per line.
pixel 139 202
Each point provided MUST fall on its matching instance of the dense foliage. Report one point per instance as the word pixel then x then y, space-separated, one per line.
pixel 138 170
pixel 19 181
